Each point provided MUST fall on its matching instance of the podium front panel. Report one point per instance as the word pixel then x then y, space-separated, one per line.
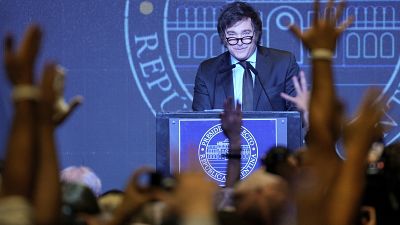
pixel 188 141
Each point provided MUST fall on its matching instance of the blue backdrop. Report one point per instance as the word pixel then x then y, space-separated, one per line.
pixel 131 59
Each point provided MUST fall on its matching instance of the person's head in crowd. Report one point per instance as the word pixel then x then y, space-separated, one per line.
pixel 262 198
pixel 77 200
pixel 83 175
pixel 240 29
pixel 391 160
pixel 382 191
pixel 109 201
pixel 280 161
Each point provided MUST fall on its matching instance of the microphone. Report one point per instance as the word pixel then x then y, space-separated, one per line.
pixel 252 69
pixel 227 68
pixel 222 70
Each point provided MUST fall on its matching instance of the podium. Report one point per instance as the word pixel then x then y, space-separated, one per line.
pixel 188 140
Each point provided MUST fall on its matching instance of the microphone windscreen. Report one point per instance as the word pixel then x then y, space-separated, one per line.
pixel 226 69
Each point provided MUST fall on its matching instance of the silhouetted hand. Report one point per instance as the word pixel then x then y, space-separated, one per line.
pixel 302 98
pixel 195 194
pixel 66 109
pixel 135 194
pixel 20 63
pixel 231 120
pixel 53 107
pixel 62 109
pixel 365 128
pixel 323 32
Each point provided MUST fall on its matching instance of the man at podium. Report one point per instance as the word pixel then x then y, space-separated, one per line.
pixel 253 75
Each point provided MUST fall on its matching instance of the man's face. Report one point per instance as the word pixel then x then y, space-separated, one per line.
pixel 241 29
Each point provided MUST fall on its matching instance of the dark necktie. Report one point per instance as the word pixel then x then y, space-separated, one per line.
pixel 247 90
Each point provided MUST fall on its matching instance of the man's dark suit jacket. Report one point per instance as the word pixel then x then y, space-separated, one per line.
pixel 214 81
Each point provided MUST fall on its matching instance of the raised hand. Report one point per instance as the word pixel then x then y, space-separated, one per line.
pixel 62 109
pixel 20 164
pixel 359 135
pixel 322 168
pixel 365 128
pixel 302 98
pixel 136 196
pixel 195 195
pixel 53 106
pixel 323 32
pixel 20 63
pixel 231 120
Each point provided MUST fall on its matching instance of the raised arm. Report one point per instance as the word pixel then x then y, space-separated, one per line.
pixel 47 198
pixel 19 166
pixel 31 168
pixel 302 98
pixel 321 40
pixel 231 120
pixel 324 116
pixel 359 136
